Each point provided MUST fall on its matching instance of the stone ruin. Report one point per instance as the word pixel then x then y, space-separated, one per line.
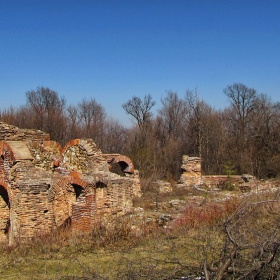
pixel 44 187
pixel 191 171
pixel 191 176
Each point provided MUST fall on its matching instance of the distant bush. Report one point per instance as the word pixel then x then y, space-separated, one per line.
pixel 195 216
pixel 227 185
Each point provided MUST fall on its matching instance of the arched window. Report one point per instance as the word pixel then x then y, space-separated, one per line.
pixel 79 191
pixel 101 197
pixel 4 214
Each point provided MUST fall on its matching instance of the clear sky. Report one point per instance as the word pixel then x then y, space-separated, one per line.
pixel 112 50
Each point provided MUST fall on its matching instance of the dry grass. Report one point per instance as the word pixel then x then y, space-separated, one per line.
pixel 156 255
pixel 208 213
pixel 117 251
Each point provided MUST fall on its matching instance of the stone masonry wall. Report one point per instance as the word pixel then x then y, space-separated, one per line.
pixel 13 133
pixel 44 187
pixel 191 171
pixel 191 175
pixel 126 166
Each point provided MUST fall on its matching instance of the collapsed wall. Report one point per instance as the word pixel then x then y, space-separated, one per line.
pixel 44 187
pixel 191 176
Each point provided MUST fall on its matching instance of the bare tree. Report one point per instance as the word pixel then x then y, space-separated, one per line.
pixel 73 121
pixel 213 142
pixel 47 110
pixel 203 133
pixel 242 101
pixel 173 113
pixel 140 109
pixel 169 127
pixel 270 150
pixel 115 138
pixel 259 129
pixel 197 111
pixel 16 116
pixel 141 138
pixel 92 116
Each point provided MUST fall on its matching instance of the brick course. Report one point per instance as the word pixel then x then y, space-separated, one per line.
pixel 43 186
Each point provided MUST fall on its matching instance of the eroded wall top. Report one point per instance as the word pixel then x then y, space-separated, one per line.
pixel 13 133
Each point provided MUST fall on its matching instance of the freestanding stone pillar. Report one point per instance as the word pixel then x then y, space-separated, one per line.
pixel 191 171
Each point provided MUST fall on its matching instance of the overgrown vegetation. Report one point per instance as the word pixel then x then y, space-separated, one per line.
pixel 227 239
pixel 241 138
pixel 237 238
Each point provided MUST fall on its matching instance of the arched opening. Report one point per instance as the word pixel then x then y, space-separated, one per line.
pixel 4 214
pixel 102 204
pixel 120 168
pixel 67 195
pixel 100 185
pixel 117 169
pixel 79 192
pixel 124 166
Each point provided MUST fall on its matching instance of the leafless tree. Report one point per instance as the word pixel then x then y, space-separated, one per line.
pixel 19 117
pixel 195 120
pixel 140 109
pixel 272 147
pixel 47 111
pixel 115 137
pixel 92 116
pixel 213 142
pixel 242 100
pixel 141 137
pixel 169 127
pixel 73 121
pixel 173 113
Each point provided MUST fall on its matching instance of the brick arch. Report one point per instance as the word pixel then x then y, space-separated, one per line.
pixel 64 194
pixel 6 186
pixel 102 203
pixel 125 162
pixel 101 179
pixel 5 204
pixel 87 144
pixel 73 142
pixel 57 149
pixel 54 145
pixel 6 148
pixel 73 179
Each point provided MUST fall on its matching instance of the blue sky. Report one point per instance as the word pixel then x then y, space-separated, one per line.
pixel 112 50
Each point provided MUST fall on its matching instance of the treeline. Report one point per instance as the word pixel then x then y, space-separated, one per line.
pixel 242 138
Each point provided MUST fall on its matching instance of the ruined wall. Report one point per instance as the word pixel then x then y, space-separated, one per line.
pixel 125 168
pixel 44 187
pixel 46 154
pixel 13 133
pixel 191 175
pixel 191 171
pixel 83 155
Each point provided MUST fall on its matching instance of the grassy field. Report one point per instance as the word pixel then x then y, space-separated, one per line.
pixel 82 258
pixel 243 232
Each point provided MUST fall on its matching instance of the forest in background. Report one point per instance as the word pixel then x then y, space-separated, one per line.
pixel 241 138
